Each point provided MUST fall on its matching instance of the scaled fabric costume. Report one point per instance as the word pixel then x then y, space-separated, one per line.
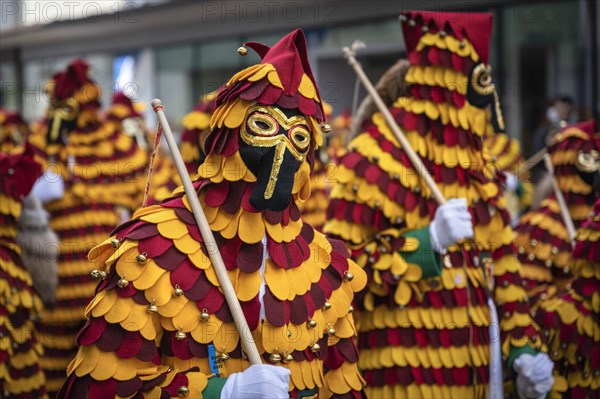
pixel 103 171
pixel 164 177
pixel 159 313
pixel 425 322
pixel 20 374
pixel 571 320
pixel 543 241
pixel 196 126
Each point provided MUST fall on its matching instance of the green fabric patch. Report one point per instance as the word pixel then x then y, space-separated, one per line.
pixel 425 257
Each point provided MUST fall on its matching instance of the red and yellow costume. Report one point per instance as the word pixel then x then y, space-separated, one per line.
pixel 159 312
pixel 196 126
pixel 164 177
pixel 20 374
pixel 543 241
pixel 103 171
pixel 571 320
pixel 424 321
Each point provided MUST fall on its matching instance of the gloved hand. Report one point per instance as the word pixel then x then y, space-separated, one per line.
pixel 451 223
pixel 48 187
pixel 534 378
pixel 258 381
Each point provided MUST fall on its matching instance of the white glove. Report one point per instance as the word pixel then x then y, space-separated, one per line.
pixel 534 379
pixel 451 223
pixel 49 187
pixel 512 182
pixel 258 381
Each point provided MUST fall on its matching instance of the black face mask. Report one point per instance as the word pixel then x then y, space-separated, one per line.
pixel 481 92
pixel 273 144
pixel 63 119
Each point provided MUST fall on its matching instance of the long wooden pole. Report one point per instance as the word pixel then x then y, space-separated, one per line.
pixel 564 209
pixel 209 240
pixel 421 169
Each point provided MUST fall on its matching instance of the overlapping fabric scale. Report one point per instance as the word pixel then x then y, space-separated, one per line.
pixel 543 241
pixel 195 124
pixel 20 374
pixel 104 174
pixel 305 280
pixel 571 320
pixel 428 337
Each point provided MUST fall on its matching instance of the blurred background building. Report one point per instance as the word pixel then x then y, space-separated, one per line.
pixel 181 49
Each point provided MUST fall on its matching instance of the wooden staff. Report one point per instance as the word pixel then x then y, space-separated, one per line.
pixel 564 210
pixel 349 54
pixel 209 240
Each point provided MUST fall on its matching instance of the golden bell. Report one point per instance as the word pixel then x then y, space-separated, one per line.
pixel 223 356
pixel 115 243
pixel 288 358
pixel 351 309
pixel 122 283
pixel 177 292
pixel 180 335
pixel 102 275
pixel 331 331
pixel 141 258
pixel 152 308
pixel 275 357
pixel 204 316
pixel 312 324
pixel 95 274
pixel 327 305
pixel 315 348
pixel 242 51
pixel 183 391
pixel 325 128
pixel 349 276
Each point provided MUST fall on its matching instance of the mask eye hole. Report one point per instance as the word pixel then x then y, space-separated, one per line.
pixel 481 80
pixel 588 161
pixel 300 138
pixel 262 124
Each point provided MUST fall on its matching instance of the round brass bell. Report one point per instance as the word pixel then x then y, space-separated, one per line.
pixel 183 391
pixel 223 356
pixel 351 309
pixel 122 283
pixel 141 258
pixel 288 358
pixel 312 324
pixel 315 348
pixel 102 275
pixel 275 357
pixel 180 335
pixel 177 292
pixel 242 51
pixel 95 274
pixel 331 331
pixel 326 128
pixel 115 243
pixel 204 316
pixel 327 305
pixel 152 308
pixel 349 276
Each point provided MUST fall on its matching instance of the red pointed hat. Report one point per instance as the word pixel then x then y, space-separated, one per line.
pixel 71 82
pixel 283 77
pixel 475 27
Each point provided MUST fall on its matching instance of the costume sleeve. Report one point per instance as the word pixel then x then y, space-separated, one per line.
pixel 371 211
pixel 342 377
pixel 122 346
